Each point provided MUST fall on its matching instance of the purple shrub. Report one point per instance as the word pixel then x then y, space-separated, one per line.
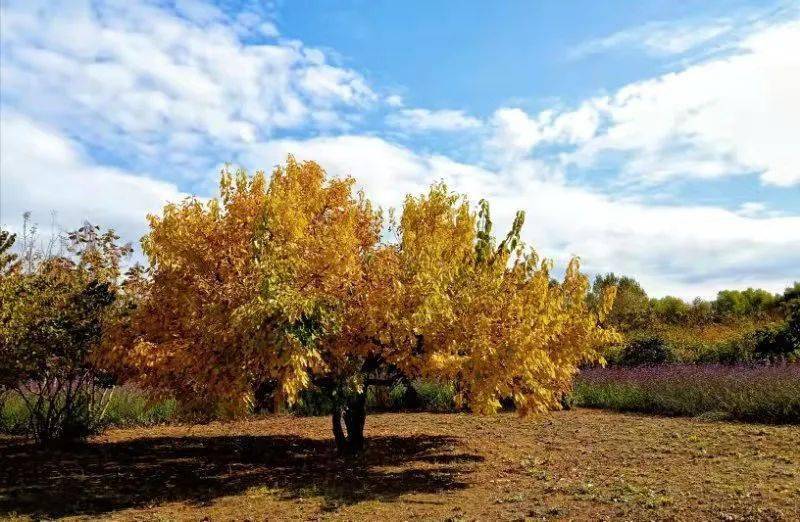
pixel 761 393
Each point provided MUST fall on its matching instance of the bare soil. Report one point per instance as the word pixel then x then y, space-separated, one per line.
pixel 574 465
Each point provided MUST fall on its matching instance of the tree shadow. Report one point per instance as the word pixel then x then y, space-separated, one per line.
pixel 108 476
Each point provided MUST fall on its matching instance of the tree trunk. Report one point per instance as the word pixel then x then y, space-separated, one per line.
pixel 411 399
pixel 353 413
pixel 264 399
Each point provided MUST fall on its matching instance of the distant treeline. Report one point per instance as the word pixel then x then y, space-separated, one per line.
pixel 737 326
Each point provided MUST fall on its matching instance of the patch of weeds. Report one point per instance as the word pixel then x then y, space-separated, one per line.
pixel 518 497
pixel 533 467
pixel 714 416
pixel 261 491
pixel 630 493
pixel 583 491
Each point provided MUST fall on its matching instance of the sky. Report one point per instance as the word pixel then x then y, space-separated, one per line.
pixel 655 139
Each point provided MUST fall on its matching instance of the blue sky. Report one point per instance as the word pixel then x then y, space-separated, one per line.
pixel 657 139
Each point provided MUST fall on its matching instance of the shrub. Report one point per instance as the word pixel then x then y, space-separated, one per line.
pixel 312 402
pixel 741 349
pixel 52 316
pixel 644 351
pixel 780 341
pixel 436 396
pixel 432 396
pixel 13 415
pixel 131 407
pixel 125 407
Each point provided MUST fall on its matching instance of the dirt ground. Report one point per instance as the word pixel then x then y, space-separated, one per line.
pixel 575 465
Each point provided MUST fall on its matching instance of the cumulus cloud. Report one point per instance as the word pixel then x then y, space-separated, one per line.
pixel 44 172
pixel 132 75
pixel 424 120
pixel 515 133
pixel 88 85
pixel 732 115
pixel 680 250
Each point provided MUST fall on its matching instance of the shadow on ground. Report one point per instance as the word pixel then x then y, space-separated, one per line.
pixel 104 477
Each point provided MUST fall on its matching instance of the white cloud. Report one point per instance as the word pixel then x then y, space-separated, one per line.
pixel 656 38
pixel 678 250
pixel 128 75
pixel 42 171
pixel 394 100
pixel 752 209
pixel 515 133
pixel 423 120
pixel 726 116
pixel 162 89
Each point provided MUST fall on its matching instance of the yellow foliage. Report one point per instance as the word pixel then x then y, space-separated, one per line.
pixel 288 279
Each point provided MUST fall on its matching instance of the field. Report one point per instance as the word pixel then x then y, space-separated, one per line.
pixel 580 464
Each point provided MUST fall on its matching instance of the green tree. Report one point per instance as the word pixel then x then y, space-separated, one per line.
pixel 752 302
pixel 701 311
pixel 631 306
pixel 669 309
pixel 790 295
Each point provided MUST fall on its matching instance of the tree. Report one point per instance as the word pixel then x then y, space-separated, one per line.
pixel 670 309
pixel 52 316
pixel 790 296
pixel 631 307
pixel 289 281
pixel 701 311
pixel 752 302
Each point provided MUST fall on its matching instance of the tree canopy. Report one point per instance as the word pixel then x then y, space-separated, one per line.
pixel 631 308
pixel 291 279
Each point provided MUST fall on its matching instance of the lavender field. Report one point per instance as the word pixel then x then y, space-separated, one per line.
pixel 756 393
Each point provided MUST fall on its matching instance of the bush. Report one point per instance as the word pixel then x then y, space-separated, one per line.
pixel 741 349
pixel 125 407
pixel 52 318
pixel 130 407
pixel 312 402
pixel 780 341
pixel 436 396
pixel 13 415
pixel 645 351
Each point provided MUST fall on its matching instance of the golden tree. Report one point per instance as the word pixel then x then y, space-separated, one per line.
pixel 289 281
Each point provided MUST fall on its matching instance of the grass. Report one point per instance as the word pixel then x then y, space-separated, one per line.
pixel 571 465
pixel 432 396
pixel 126 407
pixel 755 393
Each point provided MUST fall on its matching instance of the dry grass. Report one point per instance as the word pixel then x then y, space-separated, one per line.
pixel 577 465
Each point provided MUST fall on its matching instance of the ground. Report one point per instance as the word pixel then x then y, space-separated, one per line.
pixel 573 465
